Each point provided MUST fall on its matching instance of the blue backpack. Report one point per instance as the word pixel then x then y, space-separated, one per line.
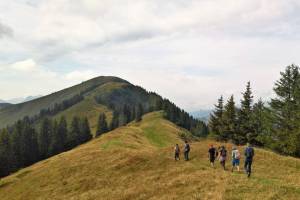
pixel 249 153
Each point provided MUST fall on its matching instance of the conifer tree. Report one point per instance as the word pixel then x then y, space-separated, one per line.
pixel 16 143
pixel 6 155
pixel 216 123
pixel 102 125
pixel 244 116
pixel 229 119
pixel 261 124
pixel 139 113
pixel 62 132
pixel 74 133
pixel 55 144
pixel 286 110
pixel 44 138
pixel 29 146
pixel 85 131
pixel 115 120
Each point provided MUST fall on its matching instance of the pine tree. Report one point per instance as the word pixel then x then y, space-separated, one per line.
pixel 286 110
pixel 244 117
pixel 216 123
pixel 261 124
pixel 62 132
pixel 139 113
pixel 85 131
pixel 115 120
pixel 29 146
pixel 74 133
pixel 55 144
pixel 16 143
pixel 102 125
pixel 229 119
pixel 44 138
pixel 6 155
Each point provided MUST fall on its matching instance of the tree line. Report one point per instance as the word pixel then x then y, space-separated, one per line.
pixel 274 124
pixel 22 144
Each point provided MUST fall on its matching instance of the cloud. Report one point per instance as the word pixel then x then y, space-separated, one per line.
pixel 5 31
pixel 80 75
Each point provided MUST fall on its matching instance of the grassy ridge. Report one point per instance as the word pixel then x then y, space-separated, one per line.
pixel 136 162
pixel 10 114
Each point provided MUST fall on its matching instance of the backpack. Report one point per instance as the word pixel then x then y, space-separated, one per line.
pixel 249 152
pixel 223 152
pixel 187 147
pixel 237 155
pixel 176 149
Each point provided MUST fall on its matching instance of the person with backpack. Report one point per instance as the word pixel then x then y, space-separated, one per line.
pixel 223 156
pixel 177 152
pixel 249 154
pixel 186 150
pixel 236 156
pixel 212 154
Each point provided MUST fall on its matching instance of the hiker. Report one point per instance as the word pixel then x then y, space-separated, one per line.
pixel 186 150
pixel 212 154
pixel 177 152
pixel 249 154
pixel 223 155
pixel 236 156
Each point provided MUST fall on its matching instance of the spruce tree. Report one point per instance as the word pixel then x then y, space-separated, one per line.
pixel 74 133
pixel 286 110
pixel 55 144
pixel 115 120
pixel 261 123
pixel 29 146
pixel 229 119
pixel 216 123
pixel 139 113
pixel 16 143
pixel 62 132
pixel 85 131
pixel 102 125
pixel 244 117
pixel 6 155
pixel 44 138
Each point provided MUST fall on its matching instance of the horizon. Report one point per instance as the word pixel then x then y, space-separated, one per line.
pixel 189 52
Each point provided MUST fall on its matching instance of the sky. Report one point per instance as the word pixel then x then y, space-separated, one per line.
pixel 190 52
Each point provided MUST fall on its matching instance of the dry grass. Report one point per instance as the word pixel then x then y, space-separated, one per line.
pixel 136 162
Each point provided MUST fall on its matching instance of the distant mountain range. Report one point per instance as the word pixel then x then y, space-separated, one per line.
pixel 202 114
pixel 20 99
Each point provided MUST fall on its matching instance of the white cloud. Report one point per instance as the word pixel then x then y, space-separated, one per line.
pixel 80 75
pixel 28 65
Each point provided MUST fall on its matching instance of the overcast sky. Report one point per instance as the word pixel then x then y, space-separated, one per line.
pixel 188 51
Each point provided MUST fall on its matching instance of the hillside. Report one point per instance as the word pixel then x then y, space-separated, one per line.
pixel 136 162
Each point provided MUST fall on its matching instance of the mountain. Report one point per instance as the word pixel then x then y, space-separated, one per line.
pixel 3 105
pixel 112 96
pixel 87 107
pixel 2 101
pixel 136 162
pixel 202 114
pixel 22 99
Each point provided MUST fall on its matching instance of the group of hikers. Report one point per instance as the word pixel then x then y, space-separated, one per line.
pixel 220 154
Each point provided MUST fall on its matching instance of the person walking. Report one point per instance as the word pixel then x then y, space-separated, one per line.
pixel 236 156
pixel 249 154
pixel 177 152
pixel 186 150
pixel 223 156
pixel 212 154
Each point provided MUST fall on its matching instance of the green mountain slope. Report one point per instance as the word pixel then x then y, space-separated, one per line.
pixel 136 162
pixel 10 114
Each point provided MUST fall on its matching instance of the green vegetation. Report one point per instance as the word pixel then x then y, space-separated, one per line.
pixel 274 125
pixel 126 164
